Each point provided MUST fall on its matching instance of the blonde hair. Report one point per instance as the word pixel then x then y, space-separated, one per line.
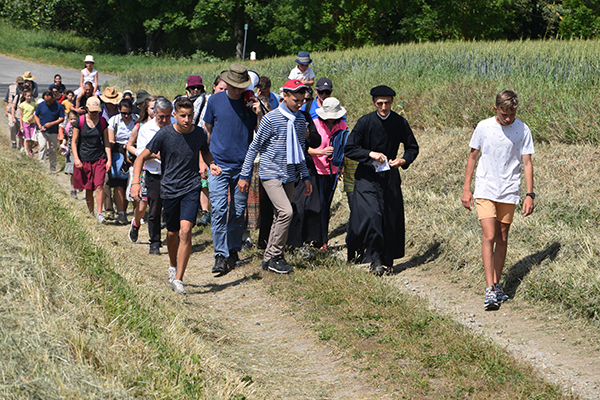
pixel 507 100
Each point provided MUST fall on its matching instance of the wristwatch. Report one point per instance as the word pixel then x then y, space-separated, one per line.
pixel 532 195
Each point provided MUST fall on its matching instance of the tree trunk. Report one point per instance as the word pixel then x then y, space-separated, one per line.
pixel 239 39
pixel 128 42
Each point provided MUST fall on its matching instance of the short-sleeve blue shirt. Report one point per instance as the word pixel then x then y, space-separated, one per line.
pixel 50 114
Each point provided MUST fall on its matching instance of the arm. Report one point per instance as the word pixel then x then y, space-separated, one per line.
pixel 76 160
pixel 38 123
pixel 309 82
pixel 130 146
pixel 467 196
pixel 528 205
pixel 107 149
pixel 354 147
pixel 80 82
pixel 96 82
pixel 207 161
pixel 52 123
pixel 136 189
pixel 208 127
pixel 411 148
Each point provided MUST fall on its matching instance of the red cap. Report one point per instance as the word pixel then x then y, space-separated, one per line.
pixel 293 85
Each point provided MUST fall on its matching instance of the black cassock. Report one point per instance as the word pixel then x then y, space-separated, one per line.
pixel 376 226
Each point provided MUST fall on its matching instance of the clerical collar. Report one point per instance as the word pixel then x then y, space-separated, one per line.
pixel 383 118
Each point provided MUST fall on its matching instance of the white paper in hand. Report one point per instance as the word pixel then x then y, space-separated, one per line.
pixel 380 167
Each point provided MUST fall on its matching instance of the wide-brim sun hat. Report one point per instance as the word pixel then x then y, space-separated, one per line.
pixel 303 58
pixel 27 76
pixel 89 58
pixel 93 104
pixel 331 109
pixel 237 76
pixel 111 95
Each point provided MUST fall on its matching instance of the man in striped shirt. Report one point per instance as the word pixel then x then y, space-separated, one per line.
pixel 280 142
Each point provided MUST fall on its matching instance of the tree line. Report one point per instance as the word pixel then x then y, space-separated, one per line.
pixel 217 27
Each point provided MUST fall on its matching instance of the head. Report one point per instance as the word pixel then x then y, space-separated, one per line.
pixel 303 60
pixel 56 92
pixel 72 117
pixel 128 94
pixel 162 111
pixel 57 79
pixel 20 82
pixel 331 111
pixel 263 88
pixel 49 97
pixel 324 88
pixel 70 95
pixel 194 85
pixel 28 85
pixel 383 97
pixel 92 106
pixel 27 96
pixel 293 95
pixel 308 96
pixel 141 96
pixel 88 89
pixel 237 79
pixel 125 108
pixel 506 107
pixel 89 62
pixel 184 114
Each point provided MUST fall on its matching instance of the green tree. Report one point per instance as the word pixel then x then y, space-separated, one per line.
pixel 581 19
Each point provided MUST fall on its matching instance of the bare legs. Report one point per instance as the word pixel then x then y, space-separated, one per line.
pixel 493 250
pixel 179 245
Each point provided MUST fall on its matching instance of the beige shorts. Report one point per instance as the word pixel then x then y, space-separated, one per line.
pixel 502 212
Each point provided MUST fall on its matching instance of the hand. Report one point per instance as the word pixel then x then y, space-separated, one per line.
pixel 327 151
pixel 467 200
pixel 215 170
pixel 243 186
pixel 528 206
pixel 380 157
pixel 307 188
pixel 108 164
pixel 78 164
pixel 136 191
pixel 47 125
pixel 397 162
pixel 42 128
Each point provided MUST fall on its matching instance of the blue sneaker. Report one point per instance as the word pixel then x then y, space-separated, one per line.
pixel 491 301
pixel 500 295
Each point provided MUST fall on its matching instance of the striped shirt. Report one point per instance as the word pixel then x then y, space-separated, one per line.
pixel 271 142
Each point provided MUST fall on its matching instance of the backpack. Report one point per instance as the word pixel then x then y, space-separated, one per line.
pixel 119 168
pixel 338 142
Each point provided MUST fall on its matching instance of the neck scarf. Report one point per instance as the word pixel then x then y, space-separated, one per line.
pixel 294 152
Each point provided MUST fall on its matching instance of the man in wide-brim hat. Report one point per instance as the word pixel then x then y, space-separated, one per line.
pixel 230 126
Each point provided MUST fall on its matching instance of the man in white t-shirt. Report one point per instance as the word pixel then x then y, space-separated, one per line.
pixel 505 144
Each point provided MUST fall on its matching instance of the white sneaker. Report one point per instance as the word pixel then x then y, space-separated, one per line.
pixel 178 286
pixel 171 275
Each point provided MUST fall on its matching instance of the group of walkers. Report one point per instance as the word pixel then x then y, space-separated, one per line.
pixel 245 158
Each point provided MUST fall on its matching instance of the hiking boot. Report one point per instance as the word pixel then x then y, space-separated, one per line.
pixel 110 216
pixel 101 218
pixel 14 145
pixel 134 231
pixel 500 295
pixel 279 265
pixel 233 259
pixel 171 274
pixel 74 194
pixel 121 219
pixel 178 286
pixel 220 268
pixel 491 302
pixel 154 250
pixel 376 268
pixel 203 218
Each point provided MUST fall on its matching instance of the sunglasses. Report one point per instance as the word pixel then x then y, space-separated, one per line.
pixel 324 91
pixel 125 113
pixel 195 87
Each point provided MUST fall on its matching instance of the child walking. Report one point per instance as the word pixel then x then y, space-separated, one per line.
pixel 504 144
pixel 66 146
pixel 28 125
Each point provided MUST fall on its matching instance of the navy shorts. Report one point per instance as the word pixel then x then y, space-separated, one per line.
pixel 181 208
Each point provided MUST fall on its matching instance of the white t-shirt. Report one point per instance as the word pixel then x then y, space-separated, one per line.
pixel 145 135
pixel 498 174
pixel 306 76
pixel 121 129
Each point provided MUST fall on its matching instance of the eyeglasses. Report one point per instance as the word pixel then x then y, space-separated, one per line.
pixel 125 113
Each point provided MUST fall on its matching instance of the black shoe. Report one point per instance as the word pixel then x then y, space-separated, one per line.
pixel 377 268
pixel 133 232
pixel 233 259
pixel 154 250
pixel 220 268
pixel 279 265
pixel 265 265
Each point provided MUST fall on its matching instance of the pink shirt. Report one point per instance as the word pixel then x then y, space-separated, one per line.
pixel 322 164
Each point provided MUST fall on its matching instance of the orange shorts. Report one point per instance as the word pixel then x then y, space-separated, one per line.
pixel 502 212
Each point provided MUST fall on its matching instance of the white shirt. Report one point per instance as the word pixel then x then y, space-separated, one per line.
pixel 306 76
pixel 145 135
pixel 498 174
pixel 122 131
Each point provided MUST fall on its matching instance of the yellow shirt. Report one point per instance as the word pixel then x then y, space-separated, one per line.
pixel 67 105
pixel 28 109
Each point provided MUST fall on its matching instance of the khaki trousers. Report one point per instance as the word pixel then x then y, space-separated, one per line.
pixel 280 195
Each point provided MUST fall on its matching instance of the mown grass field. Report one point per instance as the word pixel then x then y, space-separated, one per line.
pixel 444 89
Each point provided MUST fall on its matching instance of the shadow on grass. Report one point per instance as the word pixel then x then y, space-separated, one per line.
pixel 216 287
pixel 338 230
pixel 516 273
pixel 432 252
pixel 200 247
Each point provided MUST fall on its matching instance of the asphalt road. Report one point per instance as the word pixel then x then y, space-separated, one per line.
pixel 10 68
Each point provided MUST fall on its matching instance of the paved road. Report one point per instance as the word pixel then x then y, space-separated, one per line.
pixel 10 68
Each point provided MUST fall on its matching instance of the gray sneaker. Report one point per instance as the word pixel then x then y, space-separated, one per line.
pixel 178 286
pixel 101 218
pixel 500 295
pixel 121 219
pixel 171 275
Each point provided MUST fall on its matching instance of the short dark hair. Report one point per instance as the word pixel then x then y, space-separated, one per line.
pixel 125 103
pixel 57 76
pixel 183 102
pixel 48 93
pixel 88 83
pixel 263 83
pixel 70 92
pixel 55 87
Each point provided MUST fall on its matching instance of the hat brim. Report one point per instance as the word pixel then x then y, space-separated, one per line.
pixel 325 115
pixel 93 109
pixel 303 62
pixel 115 100
pixel 242 85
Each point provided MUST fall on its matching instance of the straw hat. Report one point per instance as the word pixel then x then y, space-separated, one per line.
pixel 89 58
pixel 27 76
pixel 331 109
pixel 237 76
pixel 111 96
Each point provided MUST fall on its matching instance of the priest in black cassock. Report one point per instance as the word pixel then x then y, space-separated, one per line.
pixel 376 229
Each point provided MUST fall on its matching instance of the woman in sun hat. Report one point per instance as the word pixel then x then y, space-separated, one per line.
pixel 302 71
pixel 27 77
pixel 329 121
pixel 88 74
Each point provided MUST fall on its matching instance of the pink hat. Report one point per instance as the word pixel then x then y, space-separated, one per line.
pixel 194 80
pixel 293 85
